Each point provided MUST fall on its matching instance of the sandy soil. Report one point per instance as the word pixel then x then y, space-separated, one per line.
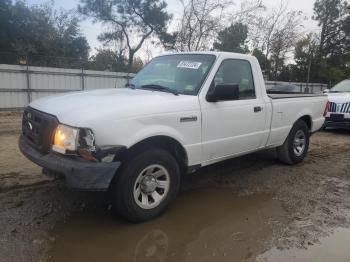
pixel 10 121
pixel 308 202
pixel 15 169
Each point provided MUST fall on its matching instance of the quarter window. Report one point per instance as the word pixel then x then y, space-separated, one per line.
pixel 235 71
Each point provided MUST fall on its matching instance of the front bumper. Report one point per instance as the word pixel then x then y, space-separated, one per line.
pixel 344 123
pixel 79 174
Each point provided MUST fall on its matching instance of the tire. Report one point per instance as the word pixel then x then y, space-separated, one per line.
pixel 291 154
pixel 139 191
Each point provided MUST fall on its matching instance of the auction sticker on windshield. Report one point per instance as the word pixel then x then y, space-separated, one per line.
pixel 189 64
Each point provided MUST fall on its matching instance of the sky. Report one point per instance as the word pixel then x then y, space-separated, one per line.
pixel 91 30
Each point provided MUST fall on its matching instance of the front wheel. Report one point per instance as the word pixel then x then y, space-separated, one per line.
pixel 295 147
pixel 146 185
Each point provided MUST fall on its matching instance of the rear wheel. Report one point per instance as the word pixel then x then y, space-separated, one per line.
pixel 295 147
pixel 146 185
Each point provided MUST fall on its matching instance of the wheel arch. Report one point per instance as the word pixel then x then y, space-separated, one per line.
pixel 170 144
pixel 307 119
pixel 283 151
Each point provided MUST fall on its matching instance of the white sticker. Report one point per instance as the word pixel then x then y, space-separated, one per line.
pixel 189 64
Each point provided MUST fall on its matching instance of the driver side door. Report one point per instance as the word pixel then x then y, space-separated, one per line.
pixel 235 126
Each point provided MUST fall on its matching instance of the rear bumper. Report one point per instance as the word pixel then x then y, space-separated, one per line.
pixel 79 174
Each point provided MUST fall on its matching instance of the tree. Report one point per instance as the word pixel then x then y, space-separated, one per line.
pixel 332 17
pixel 283 40
pixel 199 24
pixel 69 39
pixel 333 57
pixel 131 21
pixel 263 26
pixel 305 56
pixel 48 37
pixel 232 39
pixel 201 20
pixel 263 61
pixel 6 35
pixel 275 33
pixel 108 60
pixel 290 73
pixel 111 60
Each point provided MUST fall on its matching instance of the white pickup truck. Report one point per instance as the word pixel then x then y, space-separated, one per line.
pixel 179 113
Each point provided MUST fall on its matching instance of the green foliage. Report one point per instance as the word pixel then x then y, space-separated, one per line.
pixel 263 61
pixel 5 18
pixel 232 39
pixel 305 56
pixel 333 17
pixel 106 59
pixel 48 36
pixel 331 74
pixel 322 57
pixel 40 33
pixel 133 21
pixel 110 60
pixel 335 75
pixel 290 73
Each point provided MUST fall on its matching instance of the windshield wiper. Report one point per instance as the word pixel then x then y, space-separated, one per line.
pixel 160 88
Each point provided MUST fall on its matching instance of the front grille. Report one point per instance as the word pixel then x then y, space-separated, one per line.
pixel 339 108
pixel 38 128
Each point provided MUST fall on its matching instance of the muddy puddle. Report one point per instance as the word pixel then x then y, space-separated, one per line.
pixel 332 248
pixel 203 225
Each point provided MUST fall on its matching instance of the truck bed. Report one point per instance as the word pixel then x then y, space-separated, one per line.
pixel 280 95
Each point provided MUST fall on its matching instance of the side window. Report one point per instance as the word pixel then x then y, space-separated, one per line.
pixel 234 71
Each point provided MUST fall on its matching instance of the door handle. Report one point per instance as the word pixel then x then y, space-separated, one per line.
pixel 257 109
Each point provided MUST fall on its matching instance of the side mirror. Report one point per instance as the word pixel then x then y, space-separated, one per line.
pixel 223 92
pixel 326 91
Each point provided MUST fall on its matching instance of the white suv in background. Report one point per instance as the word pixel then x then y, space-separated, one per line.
pixel 338 114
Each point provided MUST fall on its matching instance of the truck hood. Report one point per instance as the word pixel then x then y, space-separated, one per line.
pixel 339 97
pixel 79 108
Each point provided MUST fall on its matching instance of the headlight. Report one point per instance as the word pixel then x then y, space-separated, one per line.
pixel 65 138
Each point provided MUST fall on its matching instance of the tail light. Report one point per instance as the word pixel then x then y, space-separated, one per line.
pixel 326 108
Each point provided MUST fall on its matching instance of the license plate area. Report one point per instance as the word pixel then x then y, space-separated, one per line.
pixel 337 117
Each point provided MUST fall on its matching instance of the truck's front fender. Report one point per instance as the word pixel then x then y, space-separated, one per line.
pixel 128 132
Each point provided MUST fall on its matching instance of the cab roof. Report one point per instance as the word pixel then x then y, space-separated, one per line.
pixel 216 53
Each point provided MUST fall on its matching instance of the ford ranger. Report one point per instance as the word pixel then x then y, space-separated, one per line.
pixel 181 112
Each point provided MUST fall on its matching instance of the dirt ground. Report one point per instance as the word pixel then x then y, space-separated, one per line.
pixel 247 209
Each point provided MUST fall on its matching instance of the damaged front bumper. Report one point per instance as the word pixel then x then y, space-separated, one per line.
pixel 78 173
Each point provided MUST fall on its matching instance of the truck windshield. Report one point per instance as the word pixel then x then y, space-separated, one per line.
pixel 178 74
pixel 343 86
